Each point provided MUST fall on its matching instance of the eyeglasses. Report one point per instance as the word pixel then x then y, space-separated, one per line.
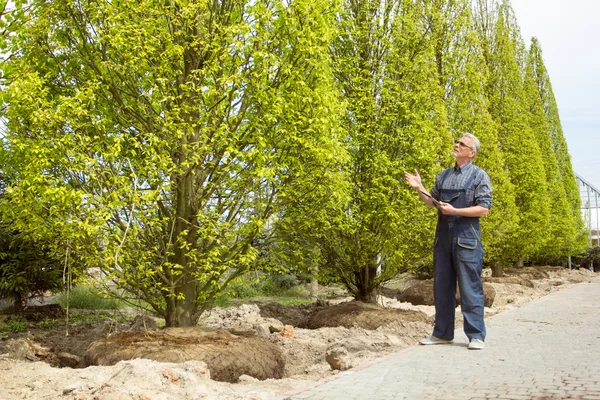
pixel 463 144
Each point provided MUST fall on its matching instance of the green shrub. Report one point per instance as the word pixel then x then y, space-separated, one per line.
pixel 591 256
pixel 49 323
pixel 277 286
pixel 245 289
pixel 273 288
pixel 262 286
pixel 14 324
pixel 27 266
pixel 223 301
pixel 286 281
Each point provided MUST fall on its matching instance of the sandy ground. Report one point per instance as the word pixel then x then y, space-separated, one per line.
pixel 305 352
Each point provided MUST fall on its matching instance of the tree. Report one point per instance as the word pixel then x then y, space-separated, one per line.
pixel 561 227
pixel 573 232
pixel 463 73
pixel 394 121
pixel 508 107
pixel 157 139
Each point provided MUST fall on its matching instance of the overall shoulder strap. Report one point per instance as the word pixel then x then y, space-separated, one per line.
pixel 444 176
pixel 470 178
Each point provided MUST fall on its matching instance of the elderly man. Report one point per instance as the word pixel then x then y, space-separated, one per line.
pixel 462 195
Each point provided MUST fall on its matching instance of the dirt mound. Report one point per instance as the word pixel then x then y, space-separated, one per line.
pixel 358 314
pixel 419 294
pixel 227 356
pixel 290 315
pixel 51 335
pixel 422 294
pixel 528 272
pixel 525 276
pixel 514 280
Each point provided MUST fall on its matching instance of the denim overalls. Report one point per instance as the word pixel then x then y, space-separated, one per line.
pixel 458 256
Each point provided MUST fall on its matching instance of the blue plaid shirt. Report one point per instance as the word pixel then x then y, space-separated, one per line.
pixel 478 194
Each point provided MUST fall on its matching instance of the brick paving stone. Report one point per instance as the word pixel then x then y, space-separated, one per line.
pixel 547 349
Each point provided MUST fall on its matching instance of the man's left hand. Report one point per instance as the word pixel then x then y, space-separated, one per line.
pixel 446 208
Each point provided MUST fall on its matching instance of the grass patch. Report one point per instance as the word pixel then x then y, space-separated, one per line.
pixel 295 301
pixel 86 298
pixel 284 289
pixel 223 301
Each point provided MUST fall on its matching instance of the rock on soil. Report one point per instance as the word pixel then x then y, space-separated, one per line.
pixel 338 358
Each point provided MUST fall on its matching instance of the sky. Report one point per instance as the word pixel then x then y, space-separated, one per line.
pixel 568 31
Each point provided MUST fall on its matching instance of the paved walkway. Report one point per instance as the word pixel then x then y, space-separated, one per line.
pixel 547 349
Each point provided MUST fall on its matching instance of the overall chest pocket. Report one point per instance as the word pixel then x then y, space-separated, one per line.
pixel 449 197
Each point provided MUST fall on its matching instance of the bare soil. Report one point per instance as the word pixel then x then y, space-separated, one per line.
pixel 222 357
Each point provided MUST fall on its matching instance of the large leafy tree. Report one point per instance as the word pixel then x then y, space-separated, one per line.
pixel 394 121
pixel 463 73
pixel 157 139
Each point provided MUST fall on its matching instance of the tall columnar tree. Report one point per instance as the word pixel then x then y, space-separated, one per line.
pixel 394 121
pixel 463 73
pixel 561 227
pixel 158 138
pixel 508 107
pixel 576 241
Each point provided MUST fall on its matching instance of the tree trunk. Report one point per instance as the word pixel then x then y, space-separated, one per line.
pixel 498 269
pixel 366 289
pixel 367 297
pixel 314 284
pixel 520 262
pixel 181 307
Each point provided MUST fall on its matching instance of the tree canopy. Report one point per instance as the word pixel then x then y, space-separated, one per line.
pixel 167 148
pixel 160 138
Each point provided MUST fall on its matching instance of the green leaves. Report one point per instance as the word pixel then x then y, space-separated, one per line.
pixel 518 104
pixel 175 146
pixel 385 69
pixel 565 223
pixel 27 266
pixel 160 137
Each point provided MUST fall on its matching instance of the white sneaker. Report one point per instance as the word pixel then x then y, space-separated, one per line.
pixel 476 344
pixel 433 340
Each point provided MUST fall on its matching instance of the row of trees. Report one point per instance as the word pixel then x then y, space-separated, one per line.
pixel 172 146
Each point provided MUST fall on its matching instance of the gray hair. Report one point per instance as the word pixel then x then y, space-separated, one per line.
pixel 476 142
